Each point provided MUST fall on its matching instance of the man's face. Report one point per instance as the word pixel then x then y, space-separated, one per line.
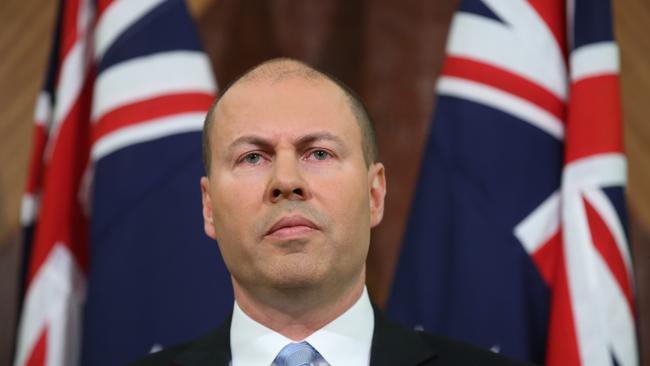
pixel 289 198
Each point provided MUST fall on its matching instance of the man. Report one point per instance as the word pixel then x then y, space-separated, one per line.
pixel 293 188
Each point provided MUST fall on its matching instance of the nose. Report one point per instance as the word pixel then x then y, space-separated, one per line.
pixel 287 180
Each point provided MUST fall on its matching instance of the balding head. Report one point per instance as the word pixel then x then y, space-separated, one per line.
pixel 280 69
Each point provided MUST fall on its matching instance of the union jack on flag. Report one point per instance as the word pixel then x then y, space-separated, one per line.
pixel 517 238
pixel 114 265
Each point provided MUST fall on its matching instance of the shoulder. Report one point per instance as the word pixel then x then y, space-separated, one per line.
pixel 459 353
pixel 394 343
pixel 212 349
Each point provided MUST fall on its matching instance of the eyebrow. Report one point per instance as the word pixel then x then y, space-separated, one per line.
pixel 249 140
pixel 320 136
pixel 303 141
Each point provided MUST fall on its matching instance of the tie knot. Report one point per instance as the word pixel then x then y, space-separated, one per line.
pixel 298 354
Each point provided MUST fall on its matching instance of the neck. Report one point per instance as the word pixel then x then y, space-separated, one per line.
pixel 297 313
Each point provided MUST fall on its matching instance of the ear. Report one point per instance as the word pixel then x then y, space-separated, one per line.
pixel 208 219
pixel 377 183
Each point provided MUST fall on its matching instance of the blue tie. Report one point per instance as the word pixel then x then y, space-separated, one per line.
pixel 299 354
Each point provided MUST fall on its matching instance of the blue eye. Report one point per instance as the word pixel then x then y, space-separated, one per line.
pixel 320 154
pixel 253 158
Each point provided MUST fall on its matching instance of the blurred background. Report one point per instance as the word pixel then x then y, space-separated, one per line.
pixel 390 52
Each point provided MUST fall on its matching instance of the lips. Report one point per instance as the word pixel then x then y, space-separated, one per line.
pixel 290 226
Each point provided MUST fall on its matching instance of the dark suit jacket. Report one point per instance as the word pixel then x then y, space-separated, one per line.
pixel 392 345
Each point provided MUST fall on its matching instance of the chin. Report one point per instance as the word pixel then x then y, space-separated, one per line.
pixel 297 276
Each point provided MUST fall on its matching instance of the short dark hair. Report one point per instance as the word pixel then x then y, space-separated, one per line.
pixel 357 107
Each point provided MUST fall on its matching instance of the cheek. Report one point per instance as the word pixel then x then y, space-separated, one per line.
pixel 348 202
pixel 235 207
pixel 232 222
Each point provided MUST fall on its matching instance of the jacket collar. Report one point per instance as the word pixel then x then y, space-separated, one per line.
pixel 213 349
pixel 393 344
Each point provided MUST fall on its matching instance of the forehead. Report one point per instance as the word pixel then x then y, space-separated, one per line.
pixel 287 107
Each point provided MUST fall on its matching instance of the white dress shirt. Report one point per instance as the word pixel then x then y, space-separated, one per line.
pixel 344 341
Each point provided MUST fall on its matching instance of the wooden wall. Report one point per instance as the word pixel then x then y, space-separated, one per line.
pixel 25 37
pixel 632 27
pixel 365 43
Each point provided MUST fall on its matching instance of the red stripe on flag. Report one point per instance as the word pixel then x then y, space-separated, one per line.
pixel 605 245
pixel 507 81
pixel 545 258
pixel 37 354
pixel 594 121
pixel 102 5
pixel 562 343
pixel 61 216
pixel 146 110
pixel 553 12
pixel 39 139
pixel 69 27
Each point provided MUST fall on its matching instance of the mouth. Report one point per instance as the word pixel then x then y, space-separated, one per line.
pixel 291 227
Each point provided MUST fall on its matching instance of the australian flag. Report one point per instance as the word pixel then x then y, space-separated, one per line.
pixel 517 237
pixel 116 262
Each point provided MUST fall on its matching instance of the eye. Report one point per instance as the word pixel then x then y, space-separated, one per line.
pixel 252 158
pixel 320 155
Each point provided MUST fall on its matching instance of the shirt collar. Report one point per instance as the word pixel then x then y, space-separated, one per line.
pixel 344 341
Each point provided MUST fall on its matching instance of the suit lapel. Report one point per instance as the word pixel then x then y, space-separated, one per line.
pixel 395 345
pixel 212 350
